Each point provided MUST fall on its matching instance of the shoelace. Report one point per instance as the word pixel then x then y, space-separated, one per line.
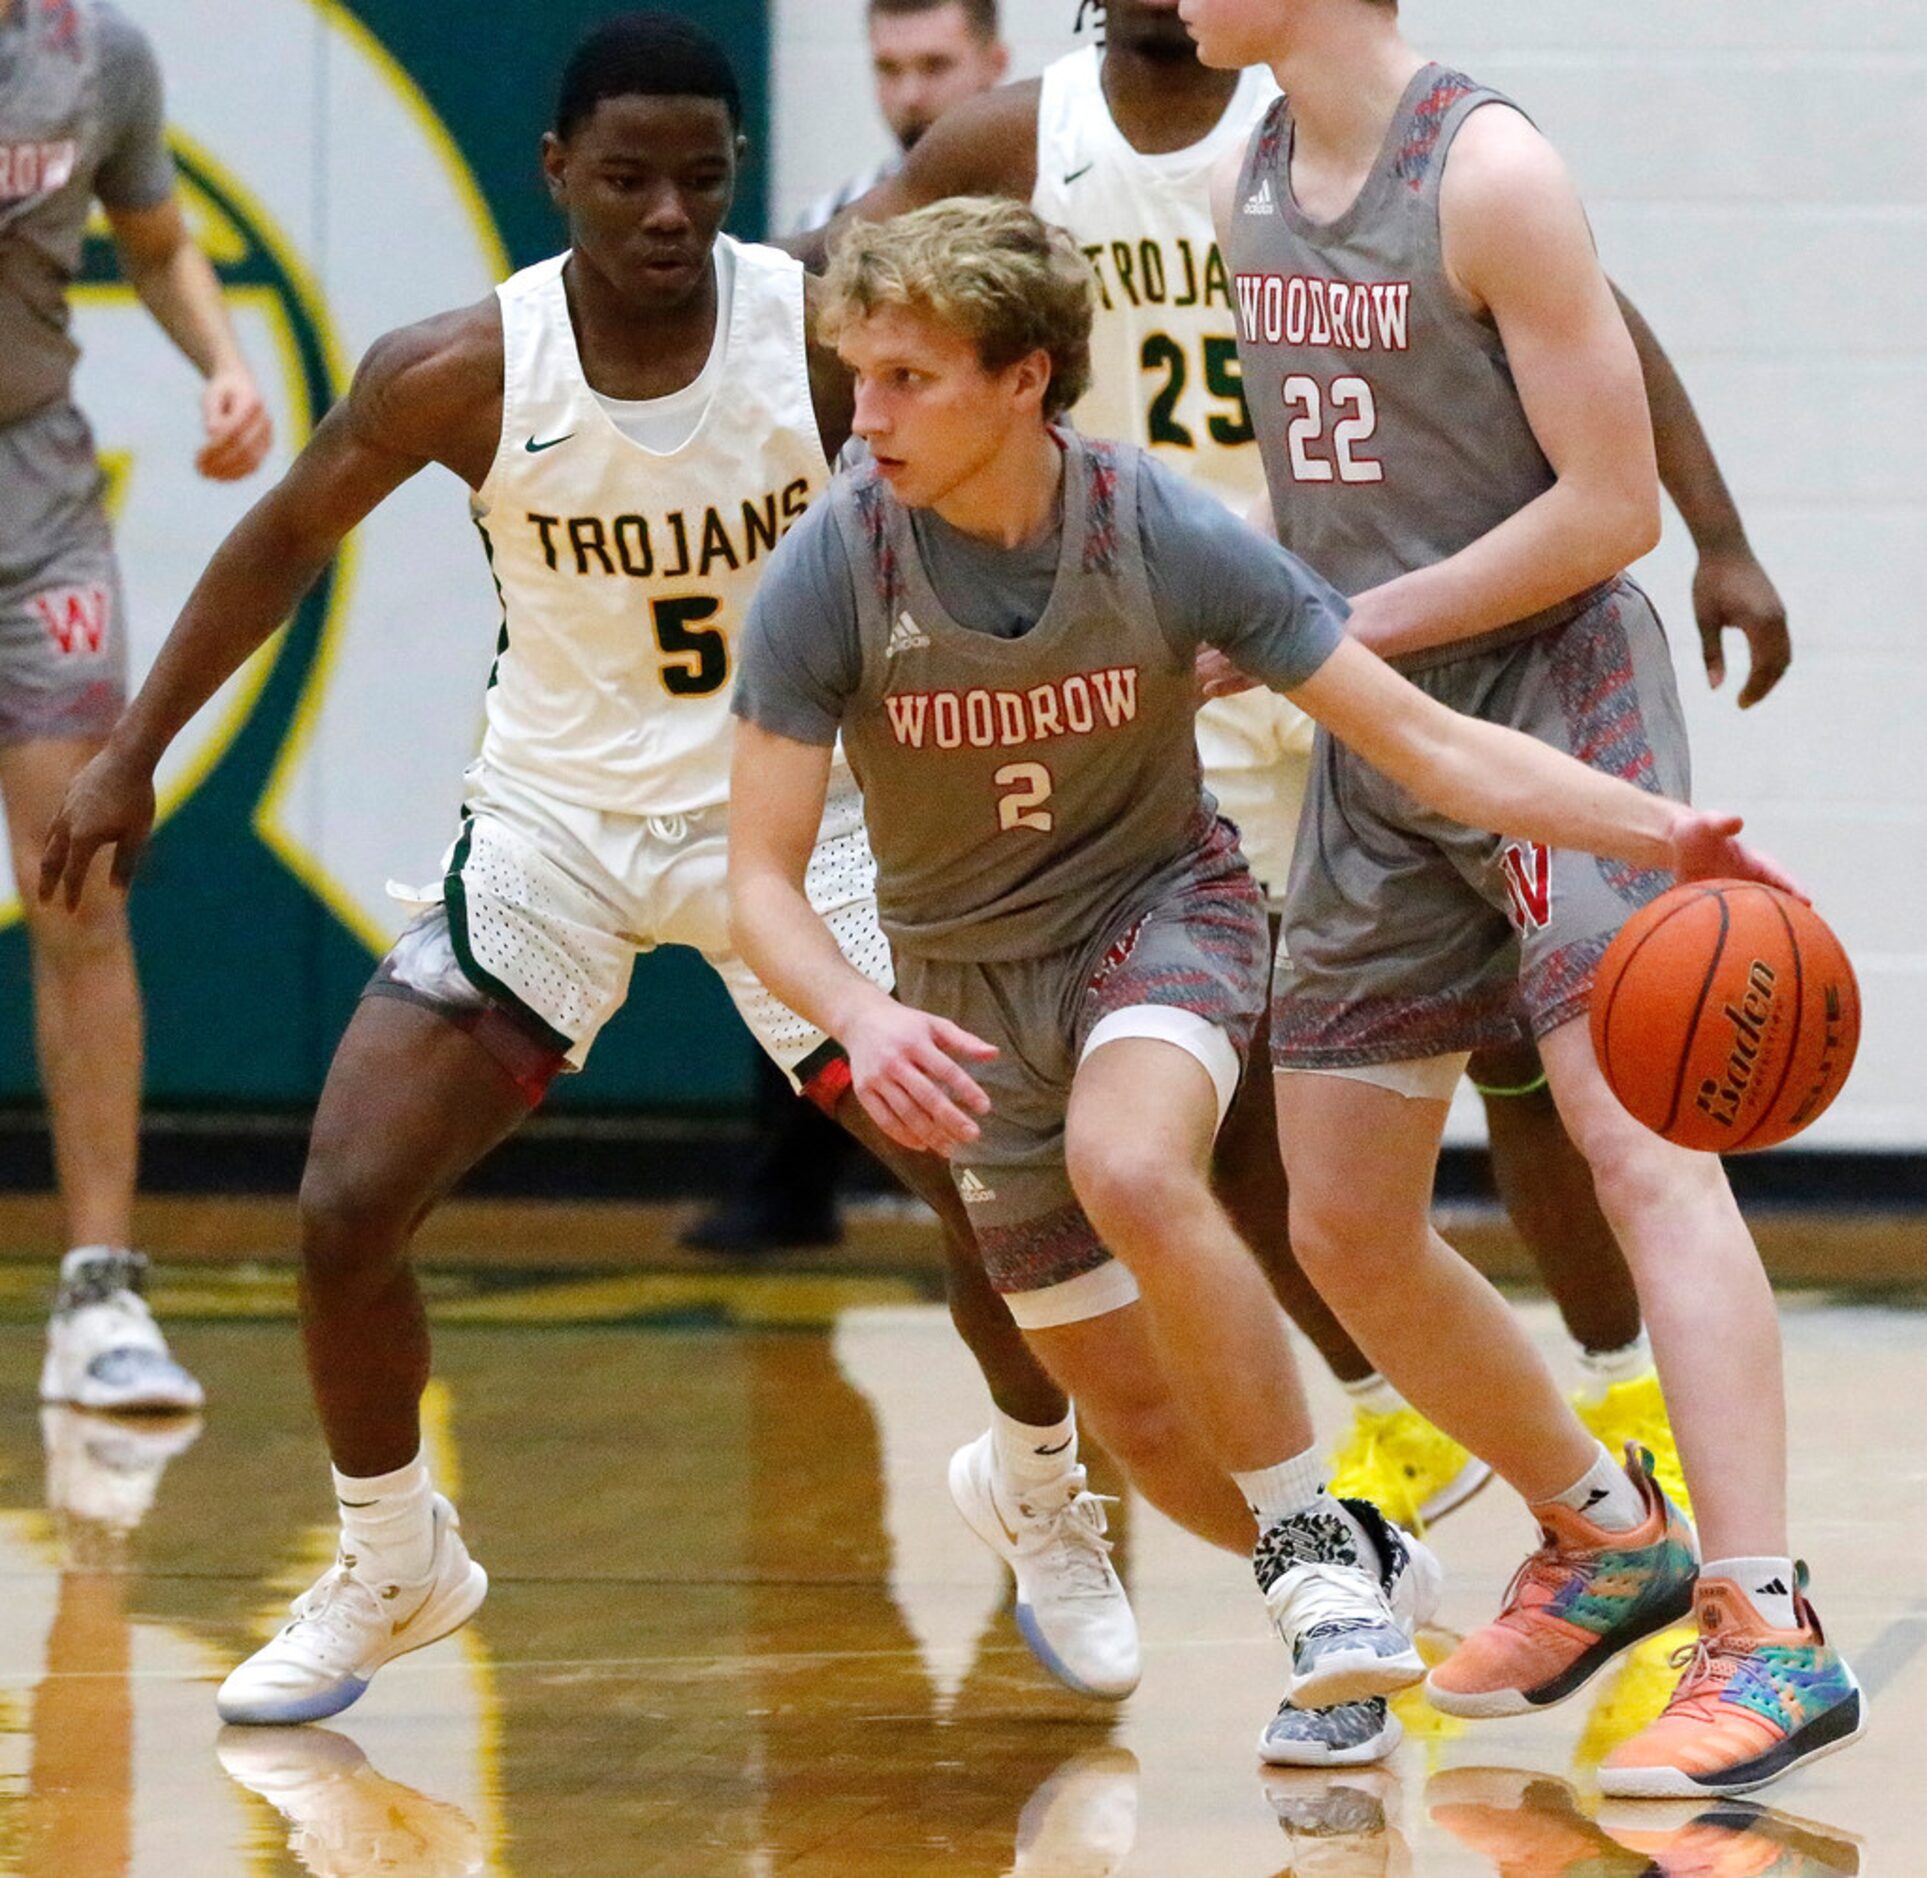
pixel 328 1607
pixel 1311 1594
pixel 1548 1568
pixel 1074 1536
pixel 1709 1664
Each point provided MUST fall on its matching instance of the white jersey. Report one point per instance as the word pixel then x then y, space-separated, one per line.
pixel 1164 357
pixel 626 573
pixel 1165 343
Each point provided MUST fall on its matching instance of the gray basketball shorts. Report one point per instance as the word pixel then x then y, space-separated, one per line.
pixel 1189 968
pixel 1409 937
pixel 63 633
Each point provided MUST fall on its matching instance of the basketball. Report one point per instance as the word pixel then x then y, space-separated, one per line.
pixel 1726 1016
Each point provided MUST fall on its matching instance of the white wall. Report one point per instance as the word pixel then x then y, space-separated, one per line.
pixel 1753 170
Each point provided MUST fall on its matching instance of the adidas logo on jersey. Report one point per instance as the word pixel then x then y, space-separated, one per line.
pixel 973 1190
pixel 1262 203
pixel 907 636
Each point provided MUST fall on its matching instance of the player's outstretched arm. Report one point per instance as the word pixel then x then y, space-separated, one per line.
pixel 427 393
pixel 1731 590
pixel 1518 249
pixel 1488 776
pixel 903 1063
pixel 986 146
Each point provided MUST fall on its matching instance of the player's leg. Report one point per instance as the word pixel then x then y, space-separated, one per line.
pixel 1769 1691
pixel 1547 1190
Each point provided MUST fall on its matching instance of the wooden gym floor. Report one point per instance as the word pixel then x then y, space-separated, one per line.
pixel 736 1627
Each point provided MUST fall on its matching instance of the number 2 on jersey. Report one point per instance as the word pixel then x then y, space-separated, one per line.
pixel 1303 395
pixel 1222 380
pixel 1030 786
pixel 695 658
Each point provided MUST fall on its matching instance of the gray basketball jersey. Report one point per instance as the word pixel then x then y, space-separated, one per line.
pixel 1391 429
pixel 1021 794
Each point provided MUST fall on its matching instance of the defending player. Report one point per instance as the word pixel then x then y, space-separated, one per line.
pixel 1001 620
pixel 1450 412
pixel 1119 149
pixel 80 122
pixel 639 420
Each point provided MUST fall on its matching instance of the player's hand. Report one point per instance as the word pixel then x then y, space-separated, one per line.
pixel 237 425
pixel 1706 846
pixel 109 804
pixel 1219 678
pixel 1731 593
pixel 905 1070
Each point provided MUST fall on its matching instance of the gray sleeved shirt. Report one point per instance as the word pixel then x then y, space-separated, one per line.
pixel 1214 581
pixel 81 119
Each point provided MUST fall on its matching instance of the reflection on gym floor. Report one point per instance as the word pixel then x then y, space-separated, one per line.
pixel 736 1628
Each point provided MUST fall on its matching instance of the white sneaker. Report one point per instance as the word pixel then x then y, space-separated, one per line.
pixel 345 1819
pixel 344 1629
pixel 1082 1822
pixel 1347 1620
pixel 1071 1605
pixel 104 1350
pixel 103 1473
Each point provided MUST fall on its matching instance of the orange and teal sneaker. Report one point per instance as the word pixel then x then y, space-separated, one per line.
pixel 1575 1604
pixel 1754 1704
pixel 1525 1822
pixel 1412 1472
pixel 1633 1414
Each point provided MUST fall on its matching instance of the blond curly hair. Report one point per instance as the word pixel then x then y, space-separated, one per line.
pixel 994 271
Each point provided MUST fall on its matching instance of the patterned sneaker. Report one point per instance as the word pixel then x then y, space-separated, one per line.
pixel 1754 1704
pixel 344 1629
pixel 1071 1605
pixel 1348 1734
pixel 345 1820
pixel 1340 1827
pixel 104 1350
pixel 1633 1696
pixel 1348 1621
pixel 1579 1600
pixel 1633 1414
pixel 1412 1472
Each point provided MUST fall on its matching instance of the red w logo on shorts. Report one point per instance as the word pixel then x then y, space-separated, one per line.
pixel 75 619
pixel 1528 884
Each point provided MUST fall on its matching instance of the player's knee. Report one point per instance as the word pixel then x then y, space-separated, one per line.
pixel 95 930
pixel 1342 1238
pixel 355 1222
pixel 1134 1199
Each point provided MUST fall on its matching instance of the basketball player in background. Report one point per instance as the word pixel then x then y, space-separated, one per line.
pixel 925 57
pixel 1118 147
pixel 667 419
pixel 81 122
pixel 1453 428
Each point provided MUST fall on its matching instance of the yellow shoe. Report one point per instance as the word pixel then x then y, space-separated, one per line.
pixel 1635 1412
pixel 1412 1472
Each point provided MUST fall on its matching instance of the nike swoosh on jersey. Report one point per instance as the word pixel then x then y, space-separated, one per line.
pixel 1085 171
pixel 536 449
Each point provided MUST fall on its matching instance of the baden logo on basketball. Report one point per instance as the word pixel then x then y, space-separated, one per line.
pixel 1750 1019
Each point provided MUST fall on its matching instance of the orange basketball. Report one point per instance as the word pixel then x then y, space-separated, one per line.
pixel 1726 1015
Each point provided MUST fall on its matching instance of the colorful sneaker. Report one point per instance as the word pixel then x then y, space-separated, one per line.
pixel 104 1350
pixel 1633 1414
pixel 343 1630
pixel 1348 1621
pixel 345 1820
pixel 1754 1704
pixel 1071 1604
pixel 1412 1472
pixel 1579 1600
pixel 1634 1695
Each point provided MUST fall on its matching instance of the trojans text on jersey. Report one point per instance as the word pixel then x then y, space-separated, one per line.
pixel 667 547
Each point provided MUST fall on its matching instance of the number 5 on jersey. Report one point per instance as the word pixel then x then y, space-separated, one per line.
pixel 695 658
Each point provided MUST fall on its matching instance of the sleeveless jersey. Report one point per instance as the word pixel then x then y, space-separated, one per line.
pixel 1021 794
pixel 1164 343
pixel 1393 433
pixel 626 573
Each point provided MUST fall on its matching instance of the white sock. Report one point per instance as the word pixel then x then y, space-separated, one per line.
pixel 1769 1584
pixel 1374 1394
pixel 1605 1494
pixel 1028 1456
pixel 388 1523
pixel 1600 1370
pixel 1299 1485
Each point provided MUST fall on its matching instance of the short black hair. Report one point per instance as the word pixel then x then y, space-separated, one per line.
pixel 650 55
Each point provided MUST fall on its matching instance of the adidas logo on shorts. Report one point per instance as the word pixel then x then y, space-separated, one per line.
pixel 973 1190
pixel 1261 201
pixel 907 636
